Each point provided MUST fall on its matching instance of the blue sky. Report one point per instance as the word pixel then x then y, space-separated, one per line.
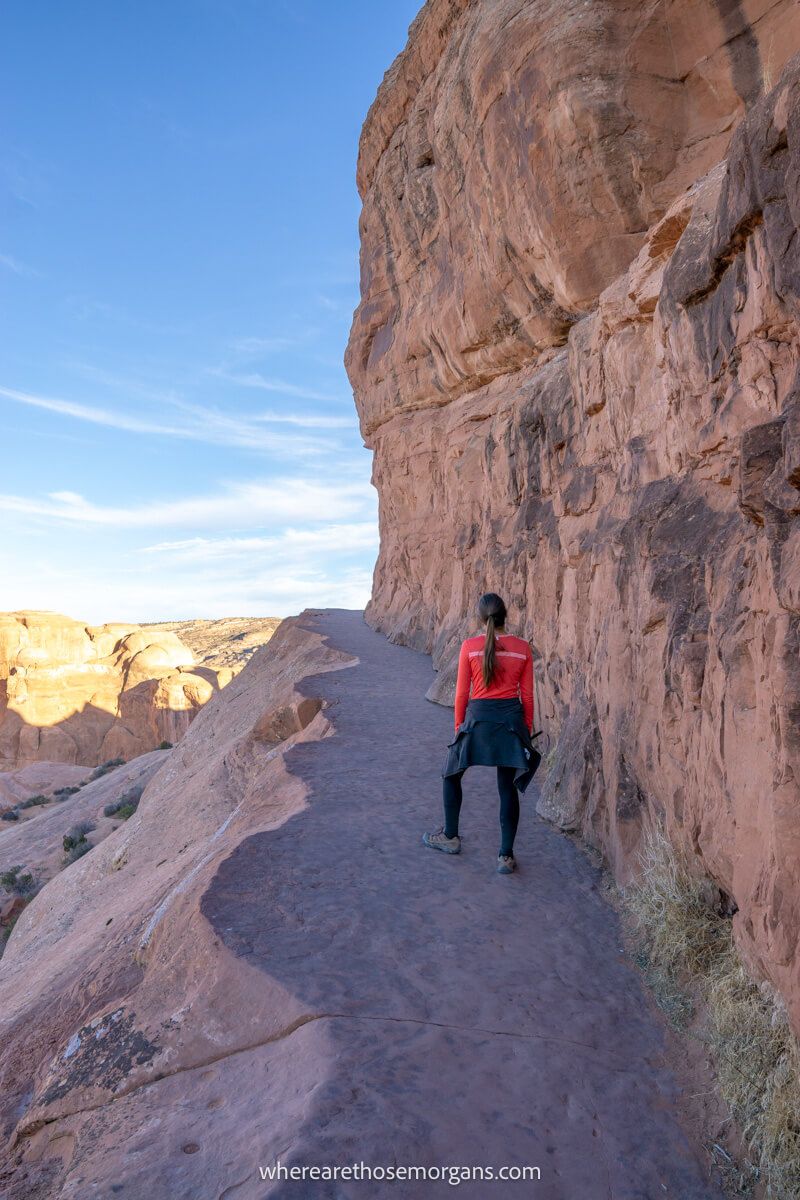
pixel 178 271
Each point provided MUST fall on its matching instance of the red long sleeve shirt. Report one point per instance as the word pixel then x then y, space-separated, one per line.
pixel 512 678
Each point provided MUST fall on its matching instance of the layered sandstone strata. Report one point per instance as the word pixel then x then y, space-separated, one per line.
pixel 576 362
pixel 72 693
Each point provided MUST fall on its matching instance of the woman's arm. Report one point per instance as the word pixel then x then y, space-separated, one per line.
pixel 462 684
pixel 526 689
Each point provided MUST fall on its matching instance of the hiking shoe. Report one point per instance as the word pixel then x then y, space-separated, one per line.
pixel 506 863
pixel 438 841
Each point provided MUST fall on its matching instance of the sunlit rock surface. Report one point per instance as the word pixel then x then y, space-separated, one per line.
pixel 73 693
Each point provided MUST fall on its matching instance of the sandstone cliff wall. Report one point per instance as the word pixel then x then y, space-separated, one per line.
pixel 576 362
pixel 70 693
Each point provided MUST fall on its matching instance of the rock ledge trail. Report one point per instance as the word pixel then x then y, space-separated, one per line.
pixel 472 1018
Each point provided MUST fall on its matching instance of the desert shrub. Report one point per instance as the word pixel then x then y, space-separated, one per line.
pixel 758 1064
pixel 105 767
pixel 62 793
pixel 670 906
pixel 165 745
pixel 33 801
pixel 686 941
pixel 17 879
pixel 77 851
pixel 7 929
pixel 128 800
pixel 10 814
pixel 8 879
pixel 5 933
pixel 77 834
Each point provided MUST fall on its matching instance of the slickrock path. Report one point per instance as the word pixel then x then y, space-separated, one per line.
pixel 474 1018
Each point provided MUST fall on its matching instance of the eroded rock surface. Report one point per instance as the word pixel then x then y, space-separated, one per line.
pixel 227 643
pixel 73 693
pixel 39 778
pixel 515 157
pixel 579 378
pixel 35 841
pixel 265 963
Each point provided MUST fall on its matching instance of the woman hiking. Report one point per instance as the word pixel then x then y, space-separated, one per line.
pixel 493 727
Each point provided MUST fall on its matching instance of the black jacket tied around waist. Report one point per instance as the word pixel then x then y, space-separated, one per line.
pixel 494 734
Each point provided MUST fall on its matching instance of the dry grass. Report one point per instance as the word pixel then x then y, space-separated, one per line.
pixel 758 1065
pixel 671 909
pixel 685 943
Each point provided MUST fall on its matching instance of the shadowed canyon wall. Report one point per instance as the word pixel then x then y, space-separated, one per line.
pixel 72 693
pixel 576 362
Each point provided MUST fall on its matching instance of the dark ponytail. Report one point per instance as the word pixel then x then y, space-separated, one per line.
pixel 492 611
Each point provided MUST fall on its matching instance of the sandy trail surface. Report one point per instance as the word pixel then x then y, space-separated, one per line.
pixel 473 1019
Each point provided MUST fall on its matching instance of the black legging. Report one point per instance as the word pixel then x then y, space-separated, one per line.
pixel 509 806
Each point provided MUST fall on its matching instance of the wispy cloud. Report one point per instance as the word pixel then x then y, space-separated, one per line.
pixel 248 589
pixel 263 345
pixel 310 422
pixel 239 505
pixel 246 426
pixel 335 538
pixel 25 179
pixel 89 308
pixel 17 267
pixel 199 423
pixel 129 385
pixel 269 575
pixel 85 412
pixel 255 379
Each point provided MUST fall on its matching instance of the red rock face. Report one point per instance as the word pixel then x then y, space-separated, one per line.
pixel 512 163
pixel 579 378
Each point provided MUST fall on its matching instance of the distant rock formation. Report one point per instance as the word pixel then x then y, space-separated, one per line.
pixel 577 363
pixel 226 643
pixel 72 693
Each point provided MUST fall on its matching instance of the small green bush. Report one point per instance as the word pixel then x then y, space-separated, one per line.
pixel 16 879
pixel 165 745
pixel 8 879
pixel 62 793
pixel 10 815
pixel 77 834
pixel 33 801
pixel 77 851
pixel 128 800
pixel 5 933
pixel 105 767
